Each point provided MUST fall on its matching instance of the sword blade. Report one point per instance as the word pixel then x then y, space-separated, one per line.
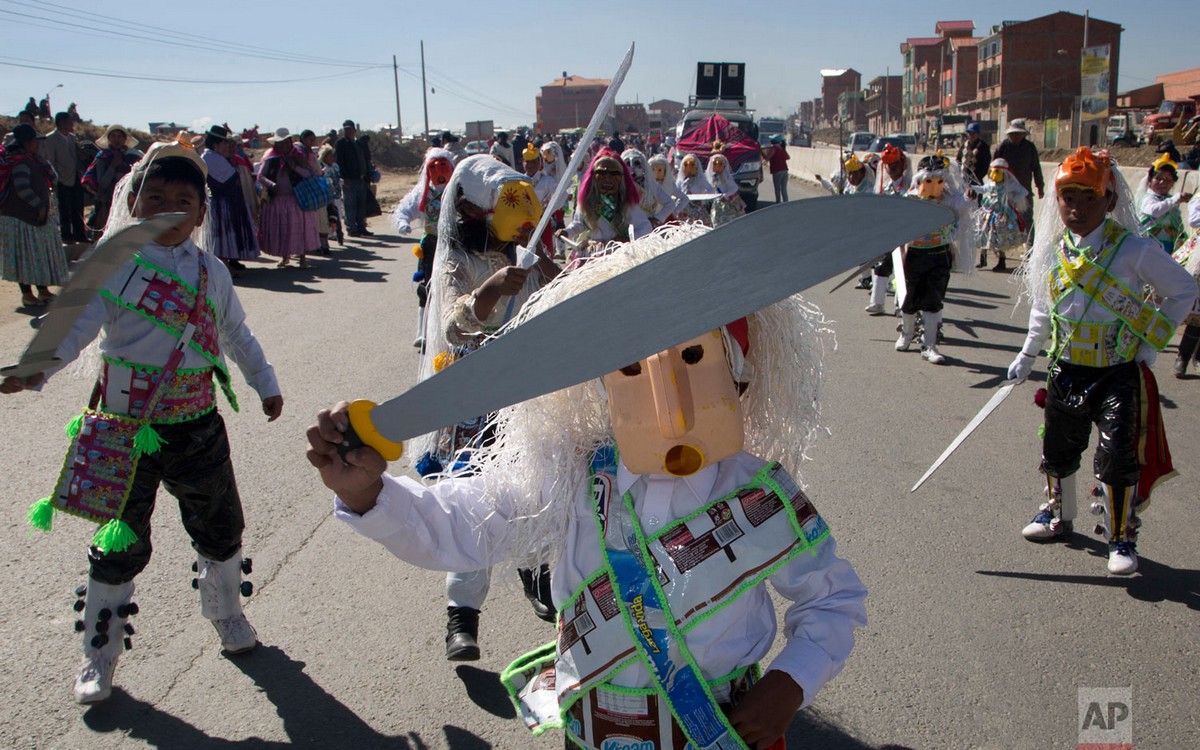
pixel 995 401
pixel 744 266
pixel 862 267
pixel 109 254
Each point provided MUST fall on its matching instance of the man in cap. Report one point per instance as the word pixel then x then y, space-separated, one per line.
pixel 62 151
pixel 1023 160
pixel 354 162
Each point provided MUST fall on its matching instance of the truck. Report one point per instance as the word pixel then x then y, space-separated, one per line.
pixel 1126 128
pixel 1160 124
pixel 720 91
pixel 770 126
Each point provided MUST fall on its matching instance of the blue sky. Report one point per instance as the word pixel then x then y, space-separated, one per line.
pixel 484 60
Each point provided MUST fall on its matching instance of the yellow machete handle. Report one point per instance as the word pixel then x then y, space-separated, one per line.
pixel 362 432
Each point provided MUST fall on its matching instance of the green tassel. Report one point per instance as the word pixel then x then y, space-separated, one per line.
pixel 74 426
pixel 41 514
pixel 1041 432
pixel 114 536
pixel 147 440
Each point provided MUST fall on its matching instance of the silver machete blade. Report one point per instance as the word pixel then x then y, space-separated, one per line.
pixel 993 402
pixel 732 271
pixel 109 254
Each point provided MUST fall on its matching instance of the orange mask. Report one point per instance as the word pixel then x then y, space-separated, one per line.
pixel 932 188
pixel 438 172
pixel 677 411
pixel 1086 171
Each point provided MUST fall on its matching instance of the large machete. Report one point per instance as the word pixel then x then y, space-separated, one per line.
pixel 743 266
pixel 110 253
pixel 991 406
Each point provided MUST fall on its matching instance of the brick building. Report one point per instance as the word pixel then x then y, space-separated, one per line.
pixel 882 104
pixel 925 59
pixel 664 113
pixel 631 118
pixel 1030 69
pixel 834 83
pixel 569 102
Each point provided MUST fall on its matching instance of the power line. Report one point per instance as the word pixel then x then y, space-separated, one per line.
pixel 135 31
pixel 132 77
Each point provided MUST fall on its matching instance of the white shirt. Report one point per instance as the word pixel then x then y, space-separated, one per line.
pixel 1140 261
pixel 137 339
pixel 1194 212
pixel 604 232
pixel 450 526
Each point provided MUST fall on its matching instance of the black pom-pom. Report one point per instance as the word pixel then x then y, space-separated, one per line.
pixel 195 567
pixel 247 566
pixel 196 583
pixel 81 589
pixel 79 626
pixel 102 626
pixel 104 614
pixel 78 605
pixel 133 608
pixel 247 588
pixel 129 629
pixel 128 644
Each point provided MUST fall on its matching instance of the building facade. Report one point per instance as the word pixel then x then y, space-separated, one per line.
pixel 568 102
pixel 882 104
pixel 834 83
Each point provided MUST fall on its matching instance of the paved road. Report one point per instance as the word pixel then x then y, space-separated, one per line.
pixel 976 639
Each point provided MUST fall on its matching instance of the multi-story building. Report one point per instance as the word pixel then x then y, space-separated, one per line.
pixel 664 113
pixel 852 110
pixel 808 113
pixel 569 102
pixel 882 104
pixel 925 59
pixel 834 83
pixel 631 118
pixel 1031 69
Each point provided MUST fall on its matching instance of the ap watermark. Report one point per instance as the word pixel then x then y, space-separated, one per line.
pixel 1105 718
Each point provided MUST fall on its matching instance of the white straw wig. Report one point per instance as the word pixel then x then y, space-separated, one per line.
pixel 543 446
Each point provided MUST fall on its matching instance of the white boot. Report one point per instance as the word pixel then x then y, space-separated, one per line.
pixel 879 287
pixel 908 328
pixel 1056 516
pixel 104 627
pixel 419 341
pixel 219 584
pixel 1122 550
pixel 929 350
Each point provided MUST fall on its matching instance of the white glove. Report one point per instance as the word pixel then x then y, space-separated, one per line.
pixel 1021 367
pixel 1146 353
pixel 403 228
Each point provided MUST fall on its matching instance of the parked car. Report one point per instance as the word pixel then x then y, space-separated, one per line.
pixel 878 144
pixel 476 147
pixel 860 140
pixel 910 141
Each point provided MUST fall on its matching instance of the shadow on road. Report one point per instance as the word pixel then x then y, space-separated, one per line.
pixel 1154 582
pixel 977 293
pixel 813 730
pixel 312 718
pixel 486 691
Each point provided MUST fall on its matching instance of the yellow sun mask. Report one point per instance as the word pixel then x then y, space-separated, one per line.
pixel 517 211
pixel 677 411
pixel 997 175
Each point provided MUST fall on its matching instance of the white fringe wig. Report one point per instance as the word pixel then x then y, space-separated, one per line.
pixel 1034 272
pixel 543 446
pixel 558 167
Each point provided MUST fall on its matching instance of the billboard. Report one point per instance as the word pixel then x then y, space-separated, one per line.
pixel 1095 83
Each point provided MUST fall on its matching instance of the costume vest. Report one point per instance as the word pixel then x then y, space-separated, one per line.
pixel 700 563
pixel 167 301
pixel 1107 343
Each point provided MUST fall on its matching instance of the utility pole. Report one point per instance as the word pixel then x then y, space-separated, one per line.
pixel 424 91
pixel 396 80
pixel 887 107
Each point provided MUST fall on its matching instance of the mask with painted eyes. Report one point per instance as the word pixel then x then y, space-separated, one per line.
pixel 691 166
pixel 548 156
pixel 639 174
pixel 677 411
pixel 718 166
pixel 438 171
pixel 660 172
pixel 517 211
pixel 931 188
pixel 996 175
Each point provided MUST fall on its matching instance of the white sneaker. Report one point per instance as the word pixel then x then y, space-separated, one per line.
pixel 1046 528
pixel 874 309
pixel 1122 559
pixel 237 635
pixel 931 355
pixel 93 684
pixel 904 341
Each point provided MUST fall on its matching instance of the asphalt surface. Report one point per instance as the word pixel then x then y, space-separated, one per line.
pixel 977 639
